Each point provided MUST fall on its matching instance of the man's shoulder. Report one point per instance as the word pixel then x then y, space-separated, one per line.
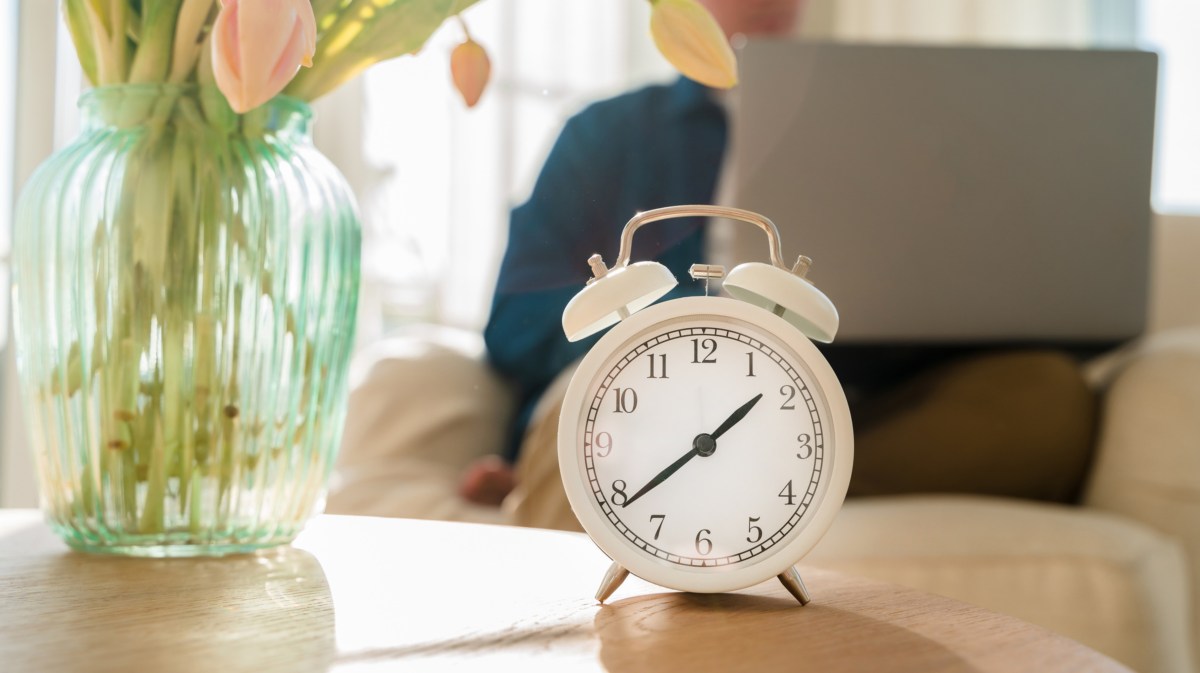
pixel 639 107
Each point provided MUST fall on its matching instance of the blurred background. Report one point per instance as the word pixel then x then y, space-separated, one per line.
pixel 435 180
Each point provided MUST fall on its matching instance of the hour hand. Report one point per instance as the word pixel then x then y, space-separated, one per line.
pixel 736 416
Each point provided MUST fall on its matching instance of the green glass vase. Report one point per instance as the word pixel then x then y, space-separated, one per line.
pixel 185 286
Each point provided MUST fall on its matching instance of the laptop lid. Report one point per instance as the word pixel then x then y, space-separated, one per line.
pixel 951 194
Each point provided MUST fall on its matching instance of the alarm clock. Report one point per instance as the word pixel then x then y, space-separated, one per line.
pixel 704 443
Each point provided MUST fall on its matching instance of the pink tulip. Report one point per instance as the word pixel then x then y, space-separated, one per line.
pixel 258 46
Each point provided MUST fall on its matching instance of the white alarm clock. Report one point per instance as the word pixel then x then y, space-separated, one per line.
pixel 704 443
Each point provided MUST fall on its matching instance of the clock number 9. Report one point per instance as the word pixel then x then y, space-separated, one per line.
pixel 604 443
pixel 806 449
pixel 703 544
pixel 619 487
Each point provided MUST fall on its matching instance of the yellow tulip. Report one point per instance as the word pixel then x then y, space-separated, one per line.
pixel 692 41
pixel 258 46
pixel 470 68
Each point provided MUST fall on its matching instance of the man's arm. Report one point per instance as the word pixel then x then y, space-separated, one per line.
pixel 550 237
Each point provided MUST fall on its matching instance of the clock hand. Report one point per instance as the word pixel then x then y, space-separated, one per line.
pixel 703 445
pixel 662 476
pixel 735 417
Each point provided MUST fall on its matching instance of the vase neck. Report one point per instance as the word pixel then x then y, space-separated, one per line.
pixel 131 106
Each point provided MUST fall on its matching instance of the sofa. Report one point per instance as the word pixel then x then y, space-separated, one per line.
pixel 1118 571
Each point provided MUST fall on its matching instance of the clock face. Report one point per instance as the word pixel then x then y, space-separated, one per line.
pixel 703 441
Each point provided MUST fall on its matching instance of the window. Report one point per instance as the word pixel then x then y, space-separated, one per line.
pixel 1169 27
pixel 441 178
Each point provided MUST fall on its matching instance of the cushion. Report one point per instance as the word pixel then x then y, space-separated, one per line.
pixel 1106 581
pixel 1006 423
pixel 422 406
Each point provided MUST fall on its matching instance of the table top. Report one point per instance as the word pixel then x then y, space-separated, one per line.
pixel 357 593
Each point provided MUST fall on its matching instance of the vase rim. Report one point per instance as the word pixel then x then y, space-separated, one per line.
pixel 298 105
pixel 278 112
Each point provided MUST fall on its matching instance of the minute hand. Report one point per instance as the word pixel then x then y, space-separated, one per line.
pixel 702 445
pixel 662 476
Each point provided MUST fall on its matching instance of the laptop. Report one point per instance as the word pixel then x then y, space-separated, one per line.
pixel 951 194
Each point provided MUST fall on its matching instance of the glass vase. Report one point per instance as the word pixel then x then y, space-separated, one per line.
pixel 185 286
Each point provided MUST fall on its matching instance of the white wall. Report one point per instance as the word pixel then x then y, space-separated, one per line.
pixel 1175 275
pixel 8 53
pixel 37 26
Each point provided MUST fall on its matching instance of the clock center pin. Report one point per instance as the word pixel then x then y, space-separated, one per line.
pixel 704 444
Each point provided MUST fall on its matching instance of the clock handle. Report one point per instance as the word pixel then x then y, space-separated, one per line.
pixel 614 294
pixel 768 227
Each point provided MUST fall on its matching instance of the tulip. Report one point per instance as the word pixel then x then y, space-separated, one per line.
pixel 692 41
pixel 470 68
pixel 258 46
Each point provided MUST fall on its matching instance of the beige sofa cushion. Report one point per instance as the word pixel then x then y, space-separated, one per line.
pixel 422 406
pixel 1106 581
pixel 1147 464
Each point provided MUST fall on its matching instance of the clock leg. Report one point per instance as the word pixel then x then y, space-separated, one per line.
pixel 612 579
pixel 795 586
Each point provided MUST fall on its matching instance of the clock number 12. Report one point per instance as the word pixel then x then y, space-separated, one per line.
pixel 709 345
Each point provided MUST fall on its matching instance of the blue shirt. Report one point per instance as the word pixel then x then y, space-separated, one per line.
pixel 658 146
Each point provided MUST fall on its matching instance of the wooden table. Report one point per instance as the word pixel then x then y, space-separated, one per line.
pixel 372 594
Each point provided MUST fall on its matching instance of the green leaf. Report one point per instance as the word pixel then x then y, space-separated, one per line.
pixel 324 11
pixel 402 27
pixel 100 8
pixel 366 33
pixel 81 36
pixel 153 57
pixel 460 5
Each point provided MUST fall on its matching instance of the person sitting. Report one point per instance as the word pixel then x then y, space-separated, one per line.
pixel 959 417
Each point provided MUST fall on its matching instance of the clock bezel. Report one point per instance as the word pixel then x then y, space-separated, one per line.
pixel 839 451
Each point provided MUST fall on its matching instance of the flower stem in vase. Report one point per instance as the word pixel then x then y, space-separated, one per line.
pixel 164 259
